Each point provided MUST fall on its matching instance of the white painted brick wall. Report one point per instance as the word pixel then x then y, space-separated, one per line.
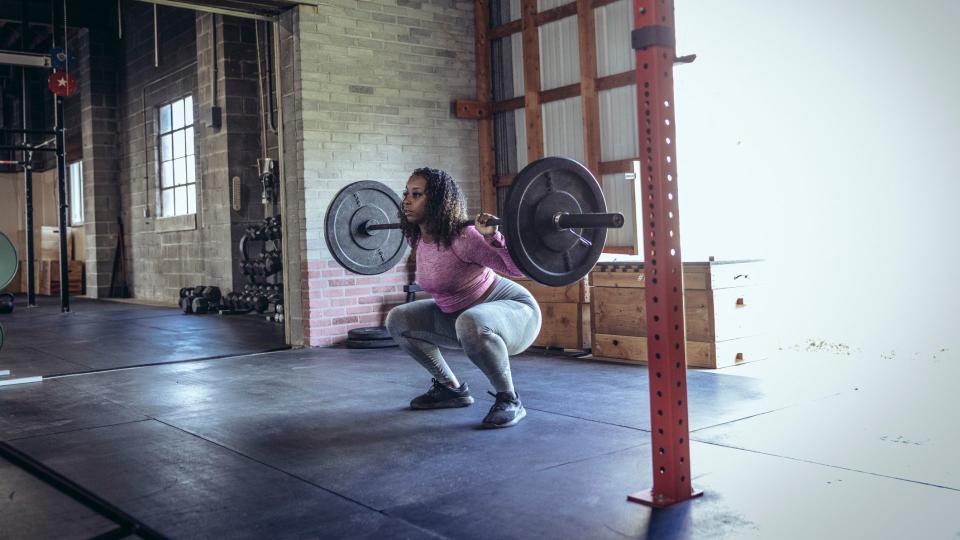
pixel 378 82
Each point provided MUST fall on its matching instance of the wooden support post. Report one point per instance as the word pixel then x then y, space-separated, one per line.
pixel 531 80
pixel 488 187
pixel 588 87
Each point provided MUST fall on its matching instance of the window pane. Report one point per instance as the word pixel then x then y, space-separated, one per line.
pixel 178 114
pixel 166 147
pixel 191 170
pixel 166 174
pixel 179 144
pixel 189 134
pixel 181 200
pixel 76 193
pixel 188 111
pixel 164 119
pixel 191 199
pixel 167 208
pixel 180 172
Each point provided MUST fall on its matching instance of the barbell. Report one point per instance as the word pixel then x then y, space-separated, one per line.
pixel 554 219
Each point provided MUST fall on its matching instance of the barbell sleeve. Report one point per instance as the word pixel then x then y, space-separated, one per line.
pixel 589 221
pixel 380 226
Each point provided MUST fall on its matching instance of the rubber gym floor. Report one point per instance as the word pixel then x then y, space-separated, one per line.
pixel 202 427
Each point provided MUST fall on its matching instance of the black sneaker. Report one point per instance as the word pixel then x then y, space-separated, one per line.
pixel 506 411
pixel 441 396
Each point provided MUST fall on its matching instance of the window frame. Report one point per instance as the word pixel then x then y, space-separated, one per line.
pixel 173 177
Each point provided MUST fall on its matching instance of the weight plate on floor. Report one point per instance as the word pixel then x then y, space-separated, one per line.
pixel 364 202
pixel 370 343
pixel 370 332
pixel 545 253
pixel 9 263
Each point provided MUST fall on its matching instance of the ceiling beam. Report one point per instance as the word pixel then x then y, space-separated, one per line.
pixel 14 58
pixel 214 9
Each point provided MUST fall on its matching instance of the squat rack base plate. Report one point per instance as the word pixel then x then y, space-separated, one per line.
pixel 647 498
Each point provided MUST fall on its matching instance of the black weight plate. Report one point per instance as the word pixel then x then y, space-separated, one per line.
pixel 8 261
pixel 362 202
pixel 370 332
pixel 370 343
pixel 545 253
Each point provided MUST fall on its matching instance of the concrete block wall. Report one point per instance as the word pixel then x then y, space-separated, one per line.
pixel 232 150
pixel 98 125
pixel 165 254
pixel 377 83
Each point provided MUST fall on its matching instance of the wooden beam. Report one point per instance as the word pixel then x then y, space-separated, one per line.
pixel 617 80
pixel 504 180
pixel 560 92
pixel 563 92
pixel 620 250
pixel 617 166
pixel 540 18
pixel 531 80
pixel 506 29
pixel 589 104
pixel 601 3
pixel 543 17
pixel 555 14
pixel 470 109
pixel 507 105
pixel 488 189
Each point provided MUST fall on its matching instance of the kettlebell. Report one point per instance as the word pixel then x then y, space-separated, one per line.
pixel 6 303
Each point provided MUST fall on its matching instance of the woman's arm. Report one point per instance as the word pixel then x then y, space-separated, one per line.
pixel 486 251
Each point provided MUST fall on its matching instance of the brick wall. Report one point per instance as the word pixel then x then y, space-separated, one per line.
pixel 377 80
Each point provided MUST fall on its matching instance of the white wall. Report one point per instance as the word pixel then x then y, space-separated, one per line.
pixel 12 204
pixel 824 137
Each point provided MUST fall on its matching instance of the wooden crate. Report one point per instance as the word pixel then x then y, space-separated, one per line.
pixel 723 308
pixel 702 354
pixel 74 274
pixel 566 325
pixel 566 314
pixel 49 244
pixel 47 277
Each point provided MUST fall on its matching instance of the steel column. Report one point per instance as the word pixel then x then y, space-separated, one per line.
pixel 31 249
pixel 663 275
pixel 62 191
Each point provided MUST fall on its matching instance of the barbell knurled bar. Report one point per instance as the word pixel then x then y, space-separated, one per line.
pixel 554 219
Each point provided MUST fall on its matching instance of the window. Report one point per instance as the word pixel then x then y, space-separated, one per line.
pixel 178 181
pixel 75 179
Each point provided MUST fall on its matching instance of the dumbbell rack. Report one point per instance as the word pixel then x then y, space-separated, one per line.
pixel 260 292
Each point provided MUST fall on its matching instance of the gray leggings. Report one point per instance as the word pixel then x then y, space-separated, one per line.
pixel 505 323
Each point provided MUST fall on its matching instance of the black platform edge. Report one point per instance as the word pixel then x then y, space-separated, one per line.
pixel 174 362
pixel 128 524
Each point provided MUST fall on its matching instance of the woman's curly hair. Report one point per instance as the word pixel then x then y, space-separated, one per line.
pixel 446 208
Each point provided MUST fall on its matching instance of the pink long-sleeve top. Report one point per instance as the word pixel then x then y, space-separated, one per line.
pixel 459 275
